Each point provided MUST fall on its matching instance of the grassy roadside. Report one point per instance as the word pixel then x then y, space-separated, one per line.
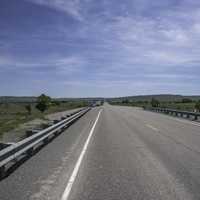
pixel 14 114
pixel 171 105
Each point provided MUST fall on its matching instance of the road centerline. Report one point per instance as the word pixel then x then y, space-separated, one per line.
pixel 78 163
pixel 152 127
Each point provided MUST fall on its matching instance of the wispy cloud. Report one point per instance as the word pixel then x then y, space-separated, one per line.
pixel 71 7
pixel 57 64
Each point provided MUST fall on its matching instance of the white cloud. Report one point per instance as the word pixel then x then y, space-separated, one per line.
pixel 147 40
pixel 176 36
pixel 72 64
pixel 57 64
pixel 4 61
pixel 71 7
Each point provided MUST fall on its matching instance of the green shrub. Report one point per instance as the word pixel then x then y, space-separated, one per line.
pixel 155 102
pixel 28 108
pixel 197 106
pixel 43 103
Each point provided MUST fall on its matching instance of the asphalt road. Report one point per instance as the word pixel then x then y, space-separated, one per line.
pixel 131 155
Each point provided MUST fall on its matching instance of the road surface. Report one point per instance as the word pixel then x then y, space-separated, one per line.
pixel 114 153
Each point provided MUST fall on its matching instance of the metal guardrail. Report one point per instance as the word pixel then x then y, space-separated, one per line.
pixel 4 145
pixel 26 146
pixel 176 112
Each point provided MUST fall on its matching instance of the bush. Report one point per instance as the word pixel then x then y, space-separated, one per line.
pixel 155 102
pixel 43 103
pixel 125 101
pixel 28 108
pixel 197 106
pixel 186 101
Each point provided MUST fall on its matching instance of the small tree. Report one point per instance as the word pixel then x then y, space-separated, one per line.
pixel 43 102
pixel 125 101
pixel 28 108
pixel 154 102
pixel 197 106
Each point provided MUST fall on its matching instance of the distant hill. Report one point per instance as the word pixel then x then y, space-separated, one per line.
pixel 32 99
pixel 13 99
pixel 80 99
pixel 160 97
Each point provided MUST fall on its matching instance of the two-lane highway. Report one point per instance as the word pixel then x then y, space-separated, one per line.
pixel 114 153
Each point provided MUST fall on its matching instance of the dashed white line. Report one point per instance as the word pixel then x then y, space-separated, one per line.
pixel 152 127
pixel 78 163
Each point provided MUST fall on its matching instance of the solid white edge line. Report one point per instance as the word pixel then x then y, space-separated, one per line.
pixel 187 122
pixel 182 120
pixel 78 163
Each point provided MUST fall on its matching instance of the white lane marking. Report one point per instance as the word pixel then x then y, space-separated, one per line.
pixel 152 127
pixel 187 122
pixel 78 163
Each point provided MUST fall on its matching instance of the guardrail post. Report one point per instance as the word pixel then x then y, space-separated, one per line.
pixel 30 152
pixel 46 140
pixel 56 133
pixel 2 171
pixel 56 121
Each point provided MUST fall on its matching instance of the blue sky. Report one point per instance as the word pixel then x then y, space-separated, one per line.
pixel 79 48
